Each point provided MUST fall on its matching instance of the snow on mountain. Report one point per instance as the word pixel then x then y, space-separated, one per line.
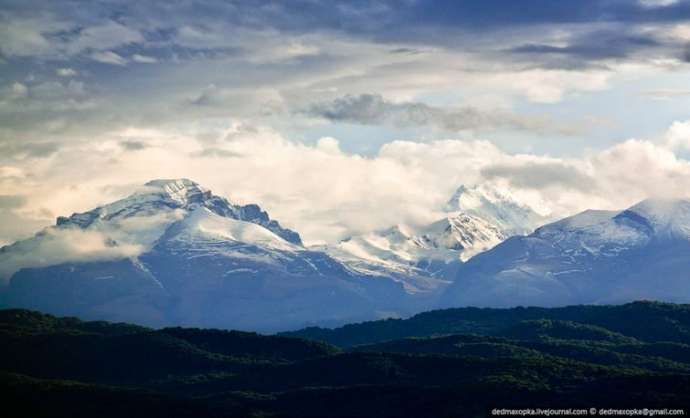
pixel 594 257
pixel 174 198
pixel 129 226
pixel 478 218
pixel 202 223
pixel 465 233
pixel 664 216
pixel 175 254
pixel 498 207
pixel 395 253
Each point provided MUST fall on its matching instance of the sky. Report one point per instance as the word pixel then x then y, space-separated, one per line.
pixel 340 117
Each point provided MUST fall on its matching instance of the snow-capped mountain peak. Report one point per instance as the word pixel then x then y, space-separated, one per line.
pixel 477 219
pixel 183 191
pixel 203 225
pixel 174 253
pixel 449 240
pixel 467 234
pixel 171 200
pixel 660 216
pixel 498 207
pixel 135 224
pixel 605 233
pixel 595 256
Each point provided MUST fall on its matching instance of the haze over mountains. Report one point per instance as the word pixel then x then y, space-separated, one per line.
pixel 175 254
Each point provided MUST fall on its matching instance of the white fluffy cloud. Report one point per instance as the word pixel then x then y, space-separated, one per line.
pixel 108 57
pixel 326 193
pixel 63 245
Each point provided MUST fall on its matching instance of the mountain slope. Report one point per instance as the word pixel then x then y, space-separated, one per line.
pixel 175 254
pixel 477 219
pixel 497 207
pixel 644 321
pixel 593 257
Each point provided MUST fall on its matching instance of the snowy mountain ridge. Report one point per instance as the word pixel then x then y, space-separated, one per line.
pixel 496 206
pixel 477 219
pixel 166 196
pixel 642 252
pixel 173 253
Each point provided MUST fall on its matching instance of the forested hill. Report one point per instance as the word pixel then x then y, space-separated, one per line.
pixel 634 355
pixel 645 321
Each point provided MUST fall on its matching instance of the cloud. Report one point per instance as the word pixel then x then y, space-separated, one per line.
pixel 283 59
pixel 637 169
pixel 54 33
pixel 23 36
pixel 53 245
pixel 144 59
pixel 658 3
pixel 30 149
pixel 102 37
pixel 108 57
pixel 462 70
pixel 66 72
pixel 61 246
pixel 327 193
pixel 373 109
pixel 11 201
pixel 215 153
pixel 666 94
pixel 598 45
pixel 677 138
pixel 16 226
pixel 530 173
pixel 18 91
pixel 132 145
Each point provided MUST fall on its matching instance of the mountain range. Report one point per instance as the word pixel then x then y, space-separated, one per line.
pixel 476 219
pixel 173 253
pixel 642 252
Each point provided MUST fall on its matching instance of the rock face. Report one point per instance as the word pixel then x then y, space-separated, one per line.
pixel 594 257
pixel 175 254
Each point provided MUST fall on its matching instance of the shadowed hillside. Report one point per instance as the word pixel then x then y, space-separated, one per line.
pixel 646 321
pixel 570 357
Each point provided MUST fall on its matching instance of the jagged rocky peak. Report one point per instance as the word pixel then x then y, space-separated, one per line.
pixel 164 196
pixel 183 191
pixel 496 206
pixel 155 197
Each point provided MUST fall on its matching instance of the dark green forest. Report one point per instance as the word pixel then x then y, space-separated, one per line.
pixel 448 363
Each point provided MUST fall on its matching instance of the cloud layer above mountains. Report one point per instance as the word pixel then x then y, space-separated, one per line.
pixel 326 193
pixel 246 98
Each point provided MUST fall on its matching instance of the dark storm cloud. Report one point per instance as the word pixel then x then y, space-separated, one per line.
pixel 385 20
pixel 146 62
pixel 122 33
